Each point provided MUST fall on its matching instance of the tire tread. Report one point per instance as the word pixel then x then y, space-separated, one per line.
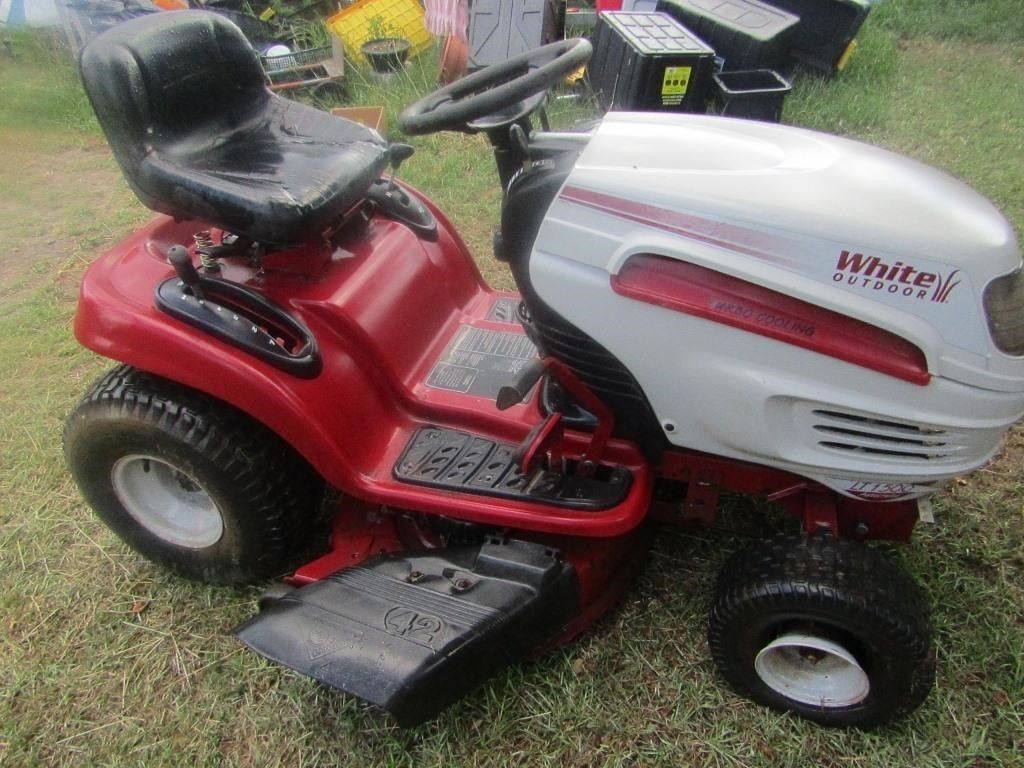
pixel 826 575
pixel 280 488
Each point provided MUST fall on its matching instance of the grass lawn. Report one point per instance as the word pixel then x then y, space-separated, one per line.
pixel 106 660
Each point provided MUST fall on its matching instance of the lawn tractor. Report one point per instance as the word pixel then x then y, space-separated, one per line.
pixel 314 380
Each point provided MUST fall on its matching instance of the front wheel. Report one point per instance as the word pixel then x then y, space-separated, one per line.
pixel 189 482
pixel 828 629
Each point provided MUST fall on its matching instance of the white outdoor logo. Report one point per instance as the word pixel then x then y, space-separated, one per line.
pixel 897 278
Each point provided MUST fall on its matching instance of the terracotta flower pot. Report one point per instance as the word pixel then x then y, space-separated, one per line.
pixel 454 60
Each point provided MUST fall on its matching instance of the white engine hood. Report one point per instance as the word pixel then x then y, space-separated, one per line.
pixel 793 181
pixel 838 223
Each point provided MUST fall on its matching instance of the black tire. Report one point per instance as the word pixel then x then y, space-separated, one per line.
pixel 868 656
pixel 134 433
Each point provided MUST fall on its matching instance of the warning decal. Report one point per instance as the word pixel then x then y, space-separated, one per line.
pixel 674 85
pixel 478 361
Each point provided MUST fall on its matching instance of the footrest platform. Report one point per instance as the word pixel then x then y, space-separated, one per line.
pixel 461 461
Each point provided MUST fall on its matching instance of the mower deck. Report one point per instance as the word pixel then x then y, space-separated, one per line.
pixel 413 632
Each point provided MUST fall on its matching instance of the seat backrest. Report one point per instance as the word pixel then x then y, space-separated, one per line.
pixel 172 78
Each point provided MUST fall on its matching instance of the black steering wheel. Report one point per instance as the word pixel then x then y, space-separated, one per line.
pixel 500 85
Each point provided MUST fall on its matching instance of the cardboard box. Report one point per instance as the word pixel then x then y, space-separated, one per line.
pixel 371 117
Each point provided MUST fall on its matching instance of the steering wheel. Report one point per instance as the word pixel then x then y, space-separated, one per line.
pixel 492 88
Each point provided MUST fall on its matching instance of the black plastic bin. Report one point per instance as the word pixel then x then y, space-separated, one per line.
pixel 649 62
pixel 746 34
pixel 754 94
pixel 822 39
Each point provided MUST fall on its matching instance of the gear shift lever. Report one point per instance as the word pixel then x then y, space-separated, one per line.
pixel 178 256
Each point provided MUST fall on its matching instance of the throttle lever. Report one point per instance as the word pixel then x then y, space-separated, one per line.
pixel 397 154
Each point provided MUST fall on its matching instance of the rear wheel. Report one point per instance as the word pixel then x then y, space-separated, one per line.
pixel 829 629
pixel 188 481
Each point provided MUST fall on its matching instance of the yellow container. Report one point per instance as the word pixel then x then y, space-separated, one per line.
pixel 397 18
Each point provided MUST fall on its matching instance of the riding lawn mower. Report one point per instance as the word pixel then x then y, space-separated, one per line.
pixel 706 306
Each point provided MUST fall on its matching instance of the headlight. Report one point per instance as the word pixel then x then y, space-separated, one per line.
pixel 1004 310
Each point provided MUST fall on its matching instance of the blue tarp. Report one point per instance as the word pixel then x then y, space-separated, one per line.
pixel 33 13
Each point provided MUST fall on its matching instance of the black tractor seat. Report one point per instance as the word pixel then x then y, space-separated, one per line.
pixel 184 103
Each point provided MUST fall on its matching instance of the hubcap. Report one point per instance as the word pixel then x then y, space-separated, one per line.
pixel 166 501
pixel 812 670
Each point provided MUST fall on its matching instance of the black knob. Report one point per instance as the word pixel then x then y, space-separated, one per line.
pixel 517 390
pixel 178 256
pixel 397 154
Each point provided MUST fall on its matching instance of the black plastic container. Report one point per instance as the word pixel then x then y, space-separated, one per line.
pixel 746 34
pixel 649 62
pixel 501 29
pixel 754 94
pixel 825 31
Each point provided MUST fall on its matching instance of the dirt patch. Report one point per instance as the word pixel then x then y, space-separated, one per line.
pixel 61 200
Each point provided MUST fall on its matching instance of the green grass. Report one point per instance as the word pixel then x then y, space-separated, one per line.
pixel 107 661
pixel 857 100
pixel 46 95
pixel 965 20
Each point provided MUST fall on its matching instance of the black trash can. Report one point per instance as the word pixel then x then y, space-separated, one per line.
pixel 754 94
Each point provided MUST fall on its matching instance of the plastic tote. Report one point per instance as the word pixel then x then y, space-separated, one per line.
pixel 755 94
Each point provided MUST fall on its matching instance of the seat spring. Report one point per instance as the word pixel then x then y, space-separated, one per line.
pixel 204 241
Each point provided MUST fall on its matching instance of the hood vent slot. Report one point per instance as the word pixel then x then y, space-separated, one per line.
pixel 853 433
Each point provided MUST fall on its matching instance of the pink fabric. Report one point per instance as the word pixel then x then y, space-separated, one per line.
pixel 447 17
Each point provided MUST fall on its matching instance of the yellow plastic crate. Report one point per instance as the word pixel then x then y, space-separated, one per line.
pixel 401 18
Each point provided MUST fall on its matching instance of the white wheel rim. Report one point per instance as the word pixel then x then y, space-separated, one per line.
pixel 812 670
pixel 167 502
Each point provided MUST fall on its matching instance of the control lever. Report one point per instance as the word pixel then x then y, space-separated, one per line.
pixel 547 435
pixel 520 387
pixel 518 139
pixel 178 256
pixel 396 203
pixel 397 154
